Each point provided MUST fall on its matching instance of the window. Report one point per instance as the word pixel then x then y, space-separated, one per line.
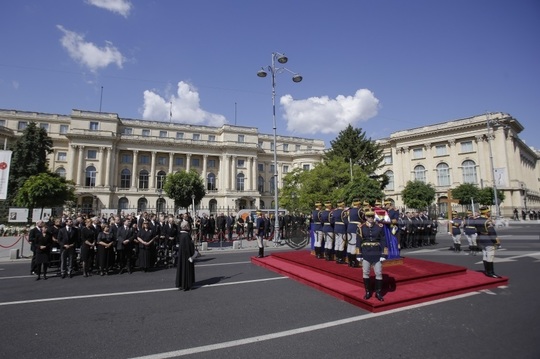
pixel 418 153
pixel 272 146
pixel 305 167
pixel 196 136
pixel 22 125
pixel 211 163
pixel 466 146
pixel 272 169
pixel 90 176
pixel 309 148
pixel 127 131
pixel 160 179
pixel 195 162
pixel 272 187
pixel 241 163
pixel 125 178
pixel 420 173
pixel 44 126
pixel 390 176
pixel 297 149
pixel 64 129
pixel 469 172
pixel 94 126
pixel 179 161
pixel 241 138
pixel 3 123
pixel 285 169
pixel 143 179
pixel 162 134
pixel 260 167
pixel 179 135
pixel 126 158
pixel 61 156
pixel 91 154
pixel 443 174
pixel 387 159
pixel 260 184
pixel 144 159
pixel 240 182
pixel 61 171
pixel 285 147
pixel 261 143
pixel 162 160
pixel 211 182
pixel 146 132
pixel 441 150
pixel 211 138
pixel 123 203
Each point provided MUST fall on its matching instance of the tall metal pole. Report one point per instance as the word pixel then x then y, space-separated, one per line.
pixel 496 200
pixel 277 240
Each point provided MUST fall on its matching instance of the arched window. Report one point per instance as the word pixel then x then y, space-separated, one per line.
pixel 272 185
pixel 262 205
pixel 213 206
pixel 443 174
pixel 90 176
pixel 125 178
pixel 211 181
pixel 260 184
pixel 469 172
pixel 61 171
pixel 160 179
pixel 240 182
pixel 420 173
pixel 160 205
pixel 390 185
pixel 143 179
pixel 123 203
pixel 142 203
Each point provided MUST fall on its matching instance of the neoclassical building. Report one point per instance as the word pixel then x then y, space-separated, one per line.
pixel 120 164
pixel 481 150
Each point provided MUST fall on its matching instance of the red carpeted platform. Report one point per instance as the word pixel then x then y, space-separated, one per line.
pixel 411 282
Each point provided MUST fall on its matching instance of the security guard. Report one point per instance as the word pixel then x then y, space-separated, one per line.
pixel 487 240
pixel 340 231
pixel 327 219
pixel 457 223
pixel 470 232
pixel 372 251
pixel 317 228
pixel 353 222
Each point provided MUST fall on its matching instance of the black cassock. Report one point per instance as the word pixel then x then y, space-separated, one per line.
pixel 185 271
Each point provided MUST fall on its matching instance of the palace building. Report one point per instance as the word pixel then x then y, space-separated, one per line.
pixel 120 164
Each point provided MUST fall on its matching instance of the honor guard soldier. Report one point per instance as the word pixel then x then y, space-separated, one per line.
pixel 327 219
pixel 340 231
pixel 393 214
pixel 470 232
pixel 487 240
pixel 260 226
pixel 353 222
pixel 457 223
pixel 372 251
pixel 317 228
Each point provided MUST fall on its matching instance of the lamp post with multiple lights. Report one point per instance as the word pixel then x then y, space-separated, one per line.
pixel 273 70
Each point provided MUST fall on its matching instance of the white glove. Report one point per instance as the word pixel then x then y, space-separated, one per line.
pixel 359 259
pixel 190 260
pixel 382 259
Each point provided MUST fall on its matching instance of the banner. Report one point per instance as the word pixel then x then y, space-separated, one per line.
pixel 5 163
pixel 18 215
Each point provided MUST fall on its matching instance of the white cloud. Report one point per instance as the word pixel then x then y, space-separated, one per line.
pixel 185 108
pixel 325 115
pixel 88 54
pixel 122 7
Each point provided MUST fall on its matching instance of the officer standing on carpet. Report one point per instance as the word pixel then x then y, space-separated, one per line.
pixel 317 228
pixel 340 232
pixel 372 251
pixel 327 219
pixel 487 240
pixel 353 222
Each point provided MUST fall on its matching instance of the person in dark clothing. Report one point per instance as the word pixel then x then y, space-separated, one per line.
pixel 32 236
pixel 43 243
pixel 185 271
pixel 145 239
pixel 88 244
pixel 105 243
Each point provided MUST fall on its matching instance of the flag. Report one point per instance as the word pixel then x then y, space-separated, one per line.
pixel 5 164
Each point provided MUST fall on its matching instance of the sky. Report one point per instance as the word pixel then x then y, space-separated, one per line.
pixel 382 66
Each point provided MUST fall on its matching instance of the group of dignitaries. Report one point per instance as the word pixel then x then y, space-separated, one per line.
pixel 104 246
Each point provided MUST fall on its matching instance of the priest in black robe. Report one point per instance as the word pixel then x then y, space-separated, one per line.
pixel 185 271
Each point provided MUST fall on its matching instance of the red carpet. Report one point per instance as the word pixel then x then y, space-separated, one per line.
pixel 414 281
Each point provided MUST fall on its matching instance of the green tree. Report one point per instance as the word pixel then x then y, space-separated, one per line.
pixel 464 192
pixel 180 186
pixel 418 194
pixel 487 198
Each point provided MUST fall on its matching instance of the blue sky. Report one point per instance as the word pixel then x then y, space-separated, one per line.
pixel 382 66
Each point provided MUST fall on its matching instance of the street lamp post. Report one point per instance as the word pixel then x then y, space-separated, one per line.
pixel 281 59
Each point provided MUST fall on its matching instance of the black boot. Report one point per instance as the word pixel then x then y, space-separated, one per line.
pixel 318 252
pixel 352 261
pixel 378 290
pixel 327 254
pixel 486 269
pixel 458 245
pixel 261 253
pixel 491 271
pixel 367 286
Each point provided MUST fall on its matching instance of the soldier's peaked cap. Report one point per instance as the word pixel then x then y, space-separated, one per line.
pixel 485 210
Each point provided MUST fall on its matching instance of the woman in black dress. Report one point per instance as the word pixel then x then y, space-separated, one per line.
pixel 43 245
pixel 105 249
pixel 88 244
pixel 145 238
pixel 185 271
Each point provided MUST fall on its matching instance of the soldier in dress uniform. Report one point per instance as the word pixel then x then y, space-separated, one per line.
pixel 393 214
pixel 260 226
pixel 340 231
pixel 457 223
pixel 327 220
pixel 487 240
pixel 372 251
pixel 469 229
pixel 353 222
pixel 317 228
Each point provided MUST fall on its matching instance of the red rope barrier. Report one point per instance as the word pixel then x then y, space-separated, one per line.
pixel 17 241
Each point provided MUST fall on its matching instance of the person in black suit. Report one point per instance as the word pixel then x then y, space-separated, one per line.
pixel 32 237
pixel 67 238
pixel 43 244
pixel 230 227
pixel 124 246
pixel 220 226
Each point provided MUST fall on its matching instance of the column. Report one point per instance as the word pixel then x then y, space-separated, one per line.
pixel 454 167
pixel 70 175
pixel 134 175
pixel 204 169
pixel 152 183
pixel 232 179
pixel 188 162
pixel 222 185
pixel 101 170
pixel 171 160
pixel 80 179
pixel 251 173
pixel 108 164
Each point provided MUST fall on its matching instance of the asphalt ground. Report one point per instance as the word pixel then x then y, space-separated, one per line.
pixel 239 310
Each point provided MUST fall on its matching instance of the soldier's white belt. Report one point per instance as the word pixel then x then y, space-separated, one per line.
pixel 355 222
pixel 340 223
pixel 370 244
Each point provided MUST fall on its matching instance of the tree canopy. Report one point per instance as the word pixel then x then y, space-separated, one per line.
pixel 180 186
pixel 418 194
pixel 45 190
